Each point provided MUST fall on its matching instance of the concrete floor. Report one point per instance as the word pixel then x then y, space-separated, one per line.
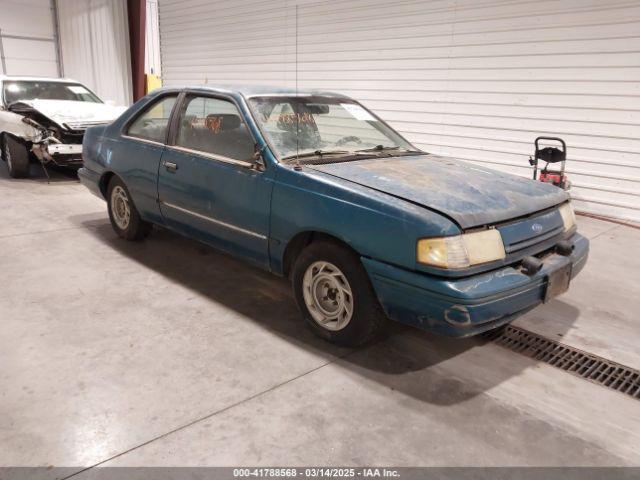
pixel 169 353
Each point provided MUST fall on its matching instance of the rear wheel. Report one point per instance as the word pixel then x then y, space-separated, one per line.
pixel 16 156
pixel 335 296
pixel 123 214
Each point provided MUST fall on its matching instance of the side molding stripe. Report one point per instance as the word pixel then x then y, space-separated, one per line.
pixel 213 220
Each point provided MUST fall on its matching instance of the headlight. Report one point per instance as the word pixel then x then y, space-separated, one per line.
pixel 461 251
pixel 568 217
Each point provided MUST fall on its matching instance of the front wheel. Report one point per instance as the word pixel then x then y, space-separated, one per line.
pixel 335 296
pixel 16 155
pixel 123 214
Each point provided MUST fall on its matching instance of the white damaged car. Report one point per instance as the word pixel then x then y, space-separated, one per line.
pixel 43 120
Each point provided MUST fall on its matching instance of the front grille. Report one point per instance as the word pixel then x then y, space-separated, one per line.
pixel 84 125
pixel 532 233
pixel 522 244
pixel 71 138
pixel 586 365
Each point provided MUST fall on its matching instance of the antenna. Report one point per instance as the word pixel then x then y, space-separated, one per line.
pixel 297 103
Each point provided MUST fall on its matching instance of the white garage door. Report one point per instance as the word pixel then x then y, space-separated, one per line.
pixel 475 79
pixel 94 39
pixel 27 38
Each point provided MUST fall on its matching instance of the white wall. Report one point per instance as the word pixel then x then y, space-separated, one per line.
pixel 94 38
pixel 28 38
pixel 477 79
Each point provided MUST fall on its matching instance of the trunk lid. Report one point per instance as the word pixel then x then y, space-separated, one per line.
pixel 469 194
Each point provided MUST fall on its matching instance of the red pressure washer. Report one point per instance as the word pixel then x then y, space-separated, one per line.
pixel 550 155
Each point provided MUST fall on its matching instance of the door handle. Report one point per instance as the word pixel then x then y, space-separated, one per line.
pixel 170 166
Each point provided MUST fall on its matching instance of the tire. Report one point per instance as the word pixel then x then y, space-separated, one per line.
pixel 124 216
pixel 323 275
pixel 16 156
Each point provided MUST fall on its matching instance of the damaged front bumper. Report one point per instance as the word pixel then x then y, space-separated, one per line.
pixel 64 149
pixel 61 154
pixel 472 305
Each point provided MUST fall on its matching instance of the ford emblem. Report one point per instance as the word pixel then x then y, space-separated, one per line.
pixel 536 227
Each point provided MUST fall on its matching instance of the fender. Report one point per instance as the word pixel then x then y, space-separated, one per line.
pixel 12 123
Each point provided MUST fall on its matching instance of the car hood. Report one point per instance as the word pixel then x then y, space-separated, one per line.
pixel 70 114
pixel 469 194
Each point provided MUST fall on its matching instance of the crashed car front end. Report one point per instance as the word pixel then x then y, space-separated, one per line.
pixel 44 120
pixel 50 141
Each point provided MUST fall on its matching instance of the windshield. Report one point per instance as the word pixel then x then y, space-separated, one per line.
pixel 304 126
pixel 16 90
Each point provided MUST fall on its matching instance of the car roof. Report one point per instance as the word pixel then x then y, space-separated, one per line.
pixel 261 90
pixel 35 78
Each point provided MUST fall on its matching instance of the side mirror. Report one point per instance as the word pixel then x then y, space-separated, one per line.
pixel 257 160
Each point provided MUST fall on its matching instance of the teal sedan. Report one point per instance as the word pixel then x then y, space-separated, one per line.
pixel 313 186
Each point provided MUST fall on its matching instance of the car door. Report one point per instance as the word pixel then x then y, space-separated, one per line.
pixel 136 155
pixel 207 187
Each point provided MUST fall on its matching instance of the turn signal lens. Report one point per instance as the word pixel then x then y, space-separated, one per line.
pixel 568 217
pixel 445 252
pixel 461 251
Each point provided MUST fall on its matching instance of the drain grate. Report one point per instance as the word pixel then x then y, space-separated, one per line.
pixel 591 367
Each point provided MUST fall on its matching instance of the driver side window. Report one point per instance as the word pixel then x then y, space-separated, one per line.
pixel 215 126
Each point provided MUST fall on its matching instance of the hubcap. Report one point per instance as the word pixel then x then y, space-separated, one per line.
pixel 328 296
pixel 120 207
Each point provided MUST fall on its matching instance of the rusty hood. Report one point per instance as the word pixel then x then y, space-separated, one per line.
pixel 469 194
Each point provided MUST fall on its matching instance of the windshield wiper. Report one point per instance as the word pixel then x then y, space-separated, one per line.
pixel 382 148
pixel 316 153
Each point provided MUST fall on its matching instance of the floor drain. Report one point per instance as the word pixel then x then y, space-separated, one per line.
pixel 591 367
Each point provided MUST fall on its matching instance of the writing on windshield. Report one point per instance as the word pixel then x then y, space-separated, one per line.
pixel 307 126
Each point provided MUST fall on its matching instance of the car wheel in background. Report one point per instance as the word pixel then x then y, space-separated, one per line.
pixel 335 296
pixel 123 214
pixel 16 156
